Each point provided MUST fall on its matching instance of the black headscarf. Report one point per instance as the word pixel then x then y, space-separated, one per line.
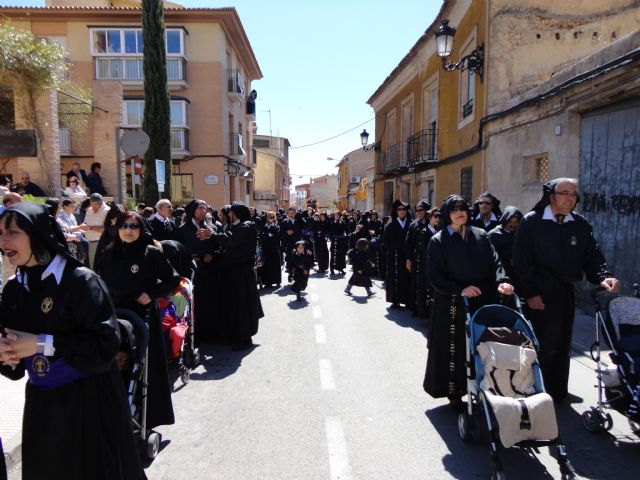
pixel 450 202
pixel 547 189
pixel 495 205
pixel 241 211
pixel 190 209
pixel 508 214
pixel 423 204
pixel 397 204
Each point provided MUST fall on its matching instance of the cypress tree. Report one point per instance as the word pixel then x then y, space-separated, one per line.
pixel 157 114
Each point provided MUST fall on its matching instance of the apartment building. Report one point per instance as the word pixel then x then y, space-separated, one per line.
pixel 272 179
pixel 210 67
pixel 355 180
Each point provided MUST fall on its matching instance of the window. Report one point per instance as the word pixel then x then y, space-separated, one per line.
pixel 407 118
pixel 466 183
pixel 178 113
pixel 391 129
pixel 536 169
pixel 467 85
pixel 133 113
pixel 174 42
pixel 129 41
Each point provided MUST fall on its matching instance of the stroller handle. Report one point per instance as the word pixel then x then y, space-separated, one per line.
pixel 595 291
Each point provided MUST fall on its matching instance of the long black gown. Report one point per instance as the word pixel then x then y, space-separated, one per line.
pixel 398 278
pixel 270 272
pixel 320 248
pixel 413 252
pixel 455 263
pixel 127 272
pixel 420 287
pixel 339 243
pixel 81 430
pixel 290 233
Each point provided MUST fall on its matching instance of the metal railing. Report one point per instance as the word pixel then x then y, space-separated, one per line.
pixel 467 109
pixel 65 141
pixel 235 82
pixel 179 139
pixel 423 146
pixel 131 68
pixel 235 144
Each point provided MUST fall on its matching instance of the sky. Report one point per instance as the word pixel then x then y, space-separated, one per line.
pixel 321 60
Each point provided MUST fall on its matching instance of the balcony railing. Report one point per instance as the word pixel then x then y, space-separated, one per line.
pixel 179 140
pixel 131 69
pixel 419 148
pixel 65 141
pixel 235 83
pixel 235 145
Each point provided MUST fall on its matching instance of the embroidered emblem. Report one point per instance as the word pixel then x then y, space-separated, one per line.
pixel 47 305
pixel 135 268
pixel 573 241
pixel 40 365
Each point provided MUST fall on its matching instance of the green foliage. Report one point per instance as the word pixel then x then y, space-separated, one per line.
pixel 157 118
pixel 31 198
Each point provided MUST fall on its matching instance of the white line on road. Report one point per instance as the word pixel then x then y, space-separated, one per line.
pixel 326 375
pixel 321 334
pixel 314 297
pixel 317 313
pixel 338 455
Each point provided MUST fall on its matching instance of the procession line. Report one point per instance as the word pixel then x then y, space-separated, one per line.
pixel 338 455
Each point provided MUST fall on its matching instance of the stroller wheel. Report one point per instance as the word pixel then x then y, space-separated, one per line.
pixel 464 426
pixel 608 422
pixel 185 374
pixel 153 445
pixel 594 421
pixel 192 357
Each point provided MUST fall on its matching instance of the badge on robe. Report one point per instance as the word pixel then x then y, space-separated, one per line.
pixel 135 268
pixel 573 241
pixel 46 305
pixel 40 365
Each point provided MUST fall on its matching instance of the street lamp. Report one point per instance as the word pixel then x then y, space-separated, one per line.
pixel 364 139
pixel 444 45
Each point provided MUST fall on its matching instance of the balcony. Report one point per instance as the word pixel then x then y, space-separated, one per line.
pixel 179 141
pixel 65 141
pixel 236 152
pixel 390 160
pixel 130 70
pixel 235 86
pixel 423 147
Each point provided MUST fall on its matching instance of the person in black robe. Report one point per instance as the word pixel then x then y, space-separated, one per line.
pixel 486 212
pixel 359 259
pixel 61 330
pixel 503 237
pixel 240 289
pixel 137 273
pixel 162 225
pixel 397 278
pixel 290 234
pixel 554 246
pixel 339 241
pixel 416 254
pixel 109 233
pixel 462 263
pixel 301 265
pixel 207 282
pixel 270 272
pixel 320 234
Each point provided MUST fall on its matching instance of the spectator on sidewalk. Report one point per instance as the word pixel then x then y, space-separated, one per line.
pixel 5 184
pixel 26 187
pixel 74 190
pixel 94 180
pixel 77 172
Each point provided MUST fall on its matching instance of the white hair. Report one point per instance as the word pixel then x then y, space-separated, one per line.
pixel 163 203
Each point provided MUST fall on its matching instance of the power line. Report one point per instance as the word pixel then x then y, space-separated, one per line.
pixel 335 136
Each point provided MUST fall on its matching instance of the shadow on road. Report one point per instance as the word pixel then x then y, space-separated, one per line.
pixel 403 317
pixel 219 361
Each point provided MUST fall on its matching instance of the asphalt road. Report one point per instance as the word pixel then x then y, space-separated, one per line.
pixel 334 391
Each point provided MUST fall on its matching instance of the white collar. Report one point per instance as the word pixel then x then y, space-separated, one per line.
pixel 432 228
pixel 161 218
pixel 55 268
pixel 402 222
pixel 548 215
pixel 492 219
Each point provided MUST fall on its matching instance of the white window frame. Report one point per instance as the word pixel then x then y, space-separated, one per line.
pixel 429 87
pixel 468 46
pixel 405 132
pixel 391 128
pixel 122 42
pixel 185 125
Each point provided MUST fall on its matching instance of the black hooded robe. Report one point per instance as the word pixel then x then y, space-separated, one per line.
pixel 398 278
pixel 416 250
pixel 270 272
pixel 455 263
pixel 548 259
pixel 339 245
pixel 320 248
pixel 503 240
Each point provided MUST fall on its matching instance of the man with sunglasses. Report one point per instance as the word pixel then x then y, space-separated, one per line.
pixel 398 278
pixel 416 252
pixel 554 248
pixel 486 212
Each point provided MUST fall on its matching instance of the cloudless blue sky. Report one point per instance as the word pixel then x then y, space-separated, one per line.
pixel 321 60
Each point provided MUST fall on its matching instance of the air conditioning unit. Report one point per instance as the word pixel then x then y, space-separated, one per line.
pixel 355 179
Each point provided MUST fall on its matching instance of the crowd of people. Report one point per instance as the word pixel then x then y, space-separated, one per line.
pixel 59 321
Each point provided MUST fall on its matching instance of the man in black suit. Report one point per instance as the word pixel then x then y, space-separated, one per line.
pixel 78 172
pixel 162 224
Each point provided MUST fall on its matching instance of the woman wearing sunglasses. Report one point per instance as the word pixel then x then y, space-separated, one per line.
pixel 462 263
pixel 74 190
pixel 137 273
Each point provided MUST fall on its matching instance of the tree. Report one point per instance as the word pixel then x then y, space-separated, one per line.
pixel 157 115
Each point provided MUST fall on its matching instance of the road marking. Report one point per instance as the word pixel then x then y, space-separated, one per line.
pixel 314 297
pixel 321 333
pixel 317 313
pixel 338 455
pixel 326 375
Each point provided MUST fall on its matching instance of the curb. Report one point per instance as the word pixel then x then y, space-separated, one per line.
pixel 13 451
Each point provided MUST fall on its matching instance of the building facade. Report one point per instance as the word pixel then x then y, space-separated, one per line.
pixel 272 180
pixel 353 181
pixel 210 67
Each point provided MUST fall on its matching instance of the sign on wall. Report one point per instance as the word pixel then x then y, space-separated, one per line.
pixel 18 143
pixel 211 180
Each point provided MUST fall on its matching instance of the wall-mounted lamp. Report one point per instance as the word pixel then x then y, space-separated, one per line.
pixel 444 45
pixel 364 139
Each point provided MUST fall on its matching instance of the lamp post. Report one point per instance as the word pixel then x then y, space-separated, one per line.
pixel 364 140
pixel 444 46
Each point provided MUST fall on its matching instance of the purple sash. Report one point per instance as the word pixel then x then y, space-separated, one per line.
pixel 46 374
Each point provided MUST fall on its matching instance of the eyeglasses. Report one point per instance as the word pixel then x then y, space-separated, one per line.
pixel 130 226
pixel 458 208
pixel 419 210
pixel 484 203
pixel 401 209
pixel 567 194
pixel 72 181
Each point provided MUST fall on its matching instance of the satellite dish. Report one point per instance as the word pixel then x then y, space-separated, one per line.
pixel 134 143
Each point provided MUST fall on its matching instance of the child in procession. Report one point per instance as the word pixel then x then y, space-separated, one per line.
pixel 301 265
pixel 359 259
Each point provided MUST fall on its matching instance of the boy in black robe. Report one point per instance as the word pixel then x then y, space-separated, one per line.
pixel 301 265
pixel 398 278
pixel 359 258
pixel 554 246
pixel 290 233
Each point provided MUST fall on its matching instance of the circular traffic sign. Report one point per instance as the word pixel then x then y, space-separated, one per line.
pixel 134 142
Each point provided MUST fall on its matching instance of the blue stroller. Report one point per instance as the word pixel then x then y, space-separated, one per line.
pixel 482 401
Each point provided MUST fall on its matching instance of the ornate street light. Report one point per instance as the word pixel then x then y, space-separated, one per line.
pixel 364 139
pixel 444 45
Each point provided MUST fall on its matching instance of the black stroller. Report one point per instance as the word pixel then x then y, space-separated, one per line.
pixel 483 401
pixel 618 385
pixel 135 341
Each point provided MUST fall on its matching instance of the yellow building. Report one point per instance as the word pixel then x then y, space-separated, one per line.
pixel 272 180
pixel 210 67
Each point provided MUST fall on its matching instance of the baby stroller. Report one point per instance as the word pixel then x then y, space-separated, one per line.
pixel 510 398
pixel 135 340
pixel 189 356
pixel 618 385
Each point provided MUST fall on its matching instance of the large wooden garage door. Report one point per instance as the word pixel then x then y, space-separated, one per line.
pixel 610 185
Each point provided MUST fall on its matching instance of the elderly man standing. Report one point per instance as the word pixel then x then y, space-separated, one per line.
pixel 26 187
pixel 554 246
pixel 93 225
pixel 162 222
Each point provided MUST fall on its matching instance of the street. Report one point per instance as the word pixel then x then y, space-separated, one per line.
pixel 334 391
